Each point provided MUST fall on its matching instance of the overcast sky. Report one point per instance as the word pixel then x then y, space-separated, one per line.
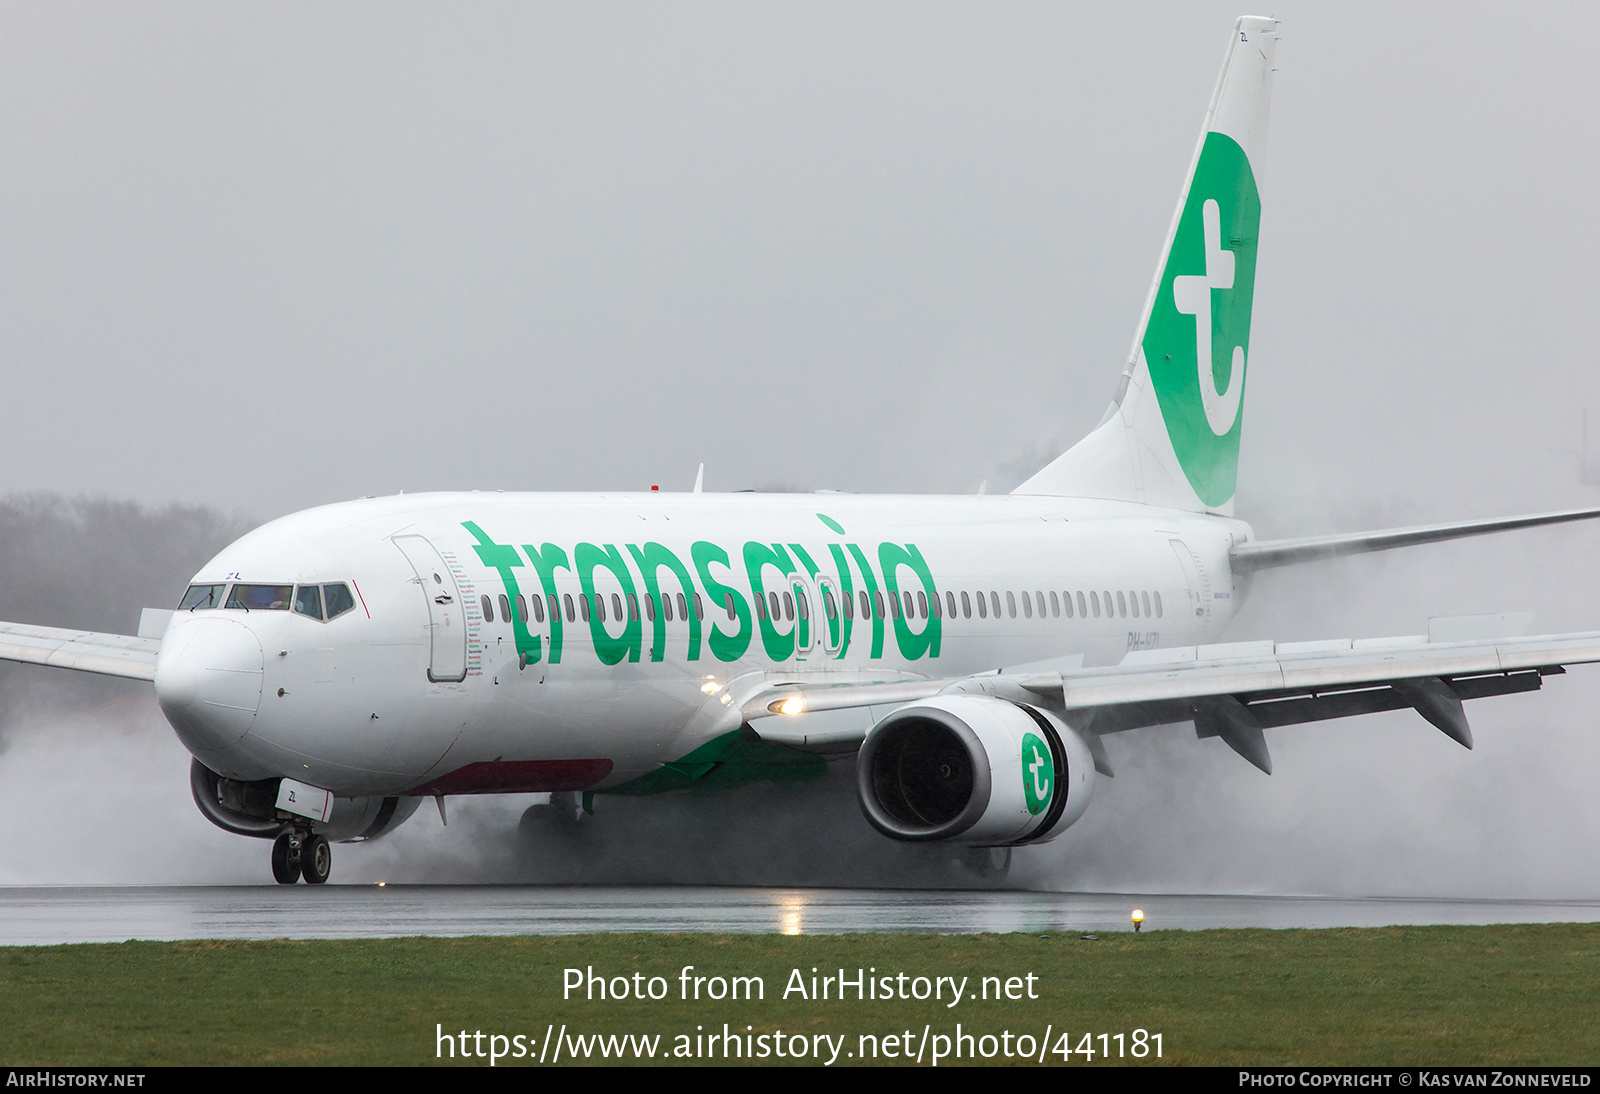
pixel 261 257
pixel 267 256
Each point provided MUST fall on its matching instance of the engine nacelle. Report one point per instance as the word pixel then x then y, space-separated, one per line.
pixel 973 769
pixel 250 808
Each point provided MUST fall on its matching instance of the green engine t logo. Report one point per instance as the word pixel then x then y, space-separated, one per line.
pixel 1038 773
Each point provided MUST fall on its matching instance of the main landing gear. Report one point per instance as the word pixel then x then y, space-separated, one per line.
pixel 298 853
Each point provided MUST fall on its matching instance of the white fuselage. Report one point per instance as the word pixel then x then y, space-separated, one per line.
pixel 417 682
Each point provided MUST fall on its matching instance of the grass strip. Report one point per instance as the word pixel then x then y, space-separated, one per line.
pixel 1498 995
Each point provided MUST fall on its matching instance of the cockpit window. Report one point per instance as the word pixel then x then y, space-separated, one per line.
pixel 338 599
pixel 270 598
pixel 201 596
pixel 308 601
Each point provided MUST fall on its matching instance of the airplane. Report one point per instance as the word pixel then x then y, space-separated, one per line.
pixel 333 669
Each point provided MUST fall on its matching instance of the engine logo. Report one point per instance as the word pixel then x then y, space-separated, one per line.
pixel 1038 773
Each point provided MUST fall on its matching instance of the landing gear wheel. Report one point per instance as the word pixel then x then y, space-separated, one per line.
pixel 285 860
pixel 316 860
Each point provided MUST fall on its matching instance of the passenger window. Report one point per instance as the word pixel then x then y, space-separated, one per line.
pixel 1122 606
pixel 572 616
pixel 683 609
pixel 1011 603
pixel 633 608
pixel 488 609
pixel 650 607
pixel 599 606
pixel 699 607
pixel 761 608
pixel 966 607
pixel 1105 598
pixel 878 603
pixel 849 603
pixel 1081 612
pixel 522 608
pixel 922 606
pixel 994 603
pixel 1055 604
pixel 505 609
pixel 950 604
pixel 728 603
pixel 827 603
pixel 1094 602
pixel 262 598
pixel 983 606
pixel 666 607
pixel 801 605
pixel 1158 603
pixel 1146 598
pixel 555 609
pixel 788 606
pixel 866 606
pixel 201 596
pixel 616 606
pixel 1066 604
pixel 1027 606
pixel 1133 604
pixel 1040 598
pixel 538 609
pixel 308 601
pixel 894 606
pixel 583 606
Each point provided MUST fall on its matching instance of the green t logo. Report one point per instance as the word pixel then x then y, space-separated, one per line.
pixel 1198 337
pixel 1038 773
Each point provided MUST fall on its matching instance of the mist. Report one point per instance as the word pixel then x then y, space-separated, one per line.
pixel 887 248
pixel 1378 805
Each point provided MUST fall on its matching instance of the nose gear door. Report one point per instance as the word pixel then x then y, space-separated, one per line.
pixel 447 622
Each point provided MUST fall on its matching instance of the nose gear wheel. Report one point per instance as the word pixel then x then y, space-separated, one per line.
pixel 301 853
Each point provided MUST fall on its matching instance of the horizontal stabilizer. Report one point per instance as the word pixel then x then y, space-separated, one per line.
pixel 1264 554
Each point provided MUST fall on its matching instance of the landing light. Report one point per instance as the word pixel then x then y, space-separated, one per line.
pixel 795 704
pixel 710 687
pixel 1138 919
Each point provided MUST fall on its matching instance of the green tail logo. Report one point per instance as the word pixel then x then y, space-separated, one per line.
pixel 1197 341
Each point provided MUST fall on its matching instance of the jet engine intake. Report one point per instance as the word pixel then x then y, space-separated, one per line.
pixel 973 769
pixel 250 808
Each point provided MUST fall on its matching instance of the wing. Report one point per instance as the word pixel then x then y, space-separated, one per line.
pixel 1233 691
pixel 86 651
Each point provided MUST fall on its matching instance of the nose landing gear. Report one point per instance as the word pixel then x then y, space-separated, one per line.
pixel 298 853
pixel 316 860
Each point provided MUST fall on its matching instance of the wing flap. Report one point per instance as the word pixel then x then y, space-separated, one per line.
pixel 86 651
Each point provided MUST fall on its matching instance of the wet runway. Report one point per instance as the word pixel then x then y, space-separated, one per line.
pixel 50 915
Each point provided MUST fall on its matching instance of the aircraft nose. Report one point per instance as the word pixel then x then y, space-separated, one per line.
pixel 208 681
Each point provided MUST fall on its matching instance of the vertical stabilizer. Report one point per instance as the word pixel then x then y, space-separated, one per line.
pixel 1171 436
